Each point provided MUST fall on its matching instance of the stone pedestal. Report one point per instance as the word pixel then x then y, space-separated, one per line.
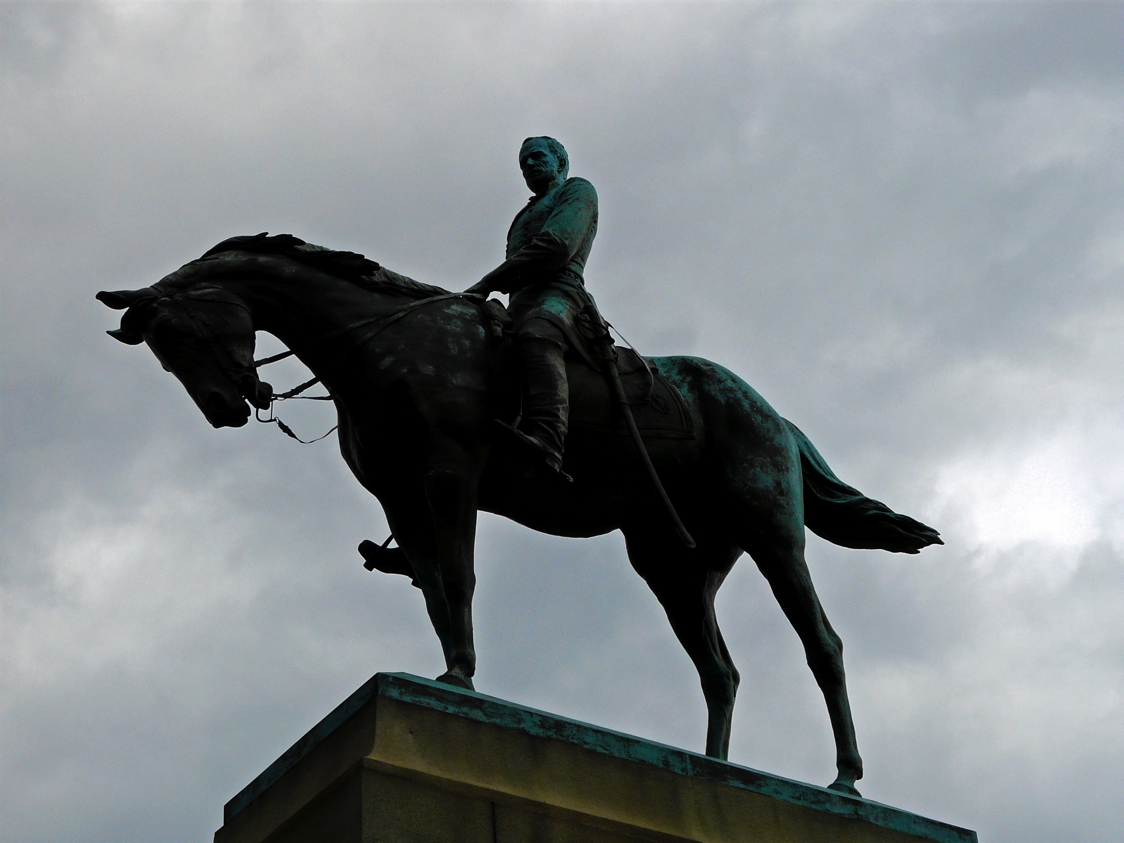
pixel 407 760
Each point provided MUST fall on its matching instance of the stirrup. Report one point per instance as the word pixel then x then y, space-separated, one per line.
pixel 553 461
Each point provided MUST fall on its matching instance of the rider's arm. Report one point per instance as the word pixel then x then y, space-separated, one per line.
pixel 562 235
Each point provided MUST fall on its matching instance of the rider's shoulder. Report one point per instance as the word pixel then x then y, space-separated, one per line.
pixel 579 186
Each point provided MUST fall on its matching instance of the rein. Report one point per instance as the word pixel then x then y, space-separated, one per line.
pixel 295 392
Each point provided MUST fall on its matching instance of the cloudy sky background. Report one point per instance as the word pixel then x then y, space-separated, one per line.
pixel 902 223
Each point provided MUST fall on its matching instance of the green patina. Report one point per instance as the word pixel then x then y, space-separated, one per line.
pixel 720 381
pixel 556 306
pixel 696 376
pixel 481 708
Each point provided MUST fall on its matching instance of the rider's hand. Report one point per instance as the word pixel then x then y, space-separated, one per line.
pixel 489 282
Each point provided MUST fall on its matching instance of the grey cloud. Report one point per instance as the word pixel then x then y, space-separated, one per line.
pixel 901 223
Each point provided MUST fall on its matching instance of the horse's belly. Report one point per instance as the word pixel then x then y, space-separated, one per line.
pixel 516 486
pixel 610 488
pixel 555 519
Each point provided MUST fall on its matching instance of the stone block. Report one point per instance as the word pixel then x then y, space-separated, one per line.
pixel 407 760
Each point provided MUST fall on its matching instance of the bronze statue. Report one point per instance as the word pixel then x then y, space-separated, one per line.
pixel 418 375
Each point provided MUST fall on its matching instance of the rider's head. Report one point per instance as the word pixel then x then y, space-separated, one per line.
pixel 544 163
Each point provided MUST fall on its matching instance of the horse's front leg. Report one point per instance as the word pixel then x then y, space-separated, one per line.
pixel 433 518
pixel 451 496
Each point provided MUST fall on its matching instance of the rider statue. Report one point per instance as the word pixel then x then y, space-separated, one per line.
pixel 547 247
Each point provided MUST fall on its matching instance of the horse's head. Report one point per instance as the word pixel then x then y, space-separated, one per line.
pixel 205 337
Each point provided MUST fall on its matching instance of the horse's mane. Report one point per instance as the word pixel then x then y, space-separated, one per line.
pixel 350 266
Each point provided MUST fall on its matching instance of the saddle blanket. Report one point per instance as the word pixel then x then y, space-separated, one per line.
pixel 657 406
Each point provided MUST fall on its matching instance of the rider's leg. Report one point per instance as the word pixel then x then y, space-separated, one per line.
pixel 546 405
pixel 546 411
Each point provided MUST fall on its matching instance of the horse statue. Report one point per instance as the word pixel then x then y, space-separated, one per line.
pixel 417 377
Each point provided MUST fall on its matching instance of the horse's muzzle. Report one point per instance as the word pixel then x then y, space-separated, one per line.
pixel 221 412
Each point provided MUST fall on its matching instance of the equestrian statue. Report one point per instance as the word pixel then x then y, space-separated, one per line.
pixel 449 404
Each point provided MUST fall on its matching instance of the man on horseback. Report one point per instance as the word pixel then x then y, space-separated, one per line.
pixel 547 248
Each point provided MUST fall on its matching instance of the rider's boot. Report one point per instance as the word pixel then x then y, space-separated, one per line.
pixel 546 404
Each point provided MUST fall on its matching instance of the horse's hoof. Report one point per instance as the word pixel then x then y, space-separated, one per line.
pixel 844 787
pixel 456 680
pixel 389 560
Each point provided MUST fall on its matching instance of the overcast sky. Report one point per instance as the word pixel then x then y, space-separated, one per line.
pixel 902 223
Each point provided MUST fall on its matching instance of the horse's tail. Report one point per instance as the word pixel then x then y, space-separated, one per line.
pixel 845 516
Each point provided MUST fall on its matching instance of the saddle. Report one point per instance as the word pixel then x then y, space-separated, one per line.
pixel 657 406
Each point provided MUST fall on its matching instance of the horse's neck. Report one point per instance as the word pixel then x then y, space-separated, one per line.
pixel 300 308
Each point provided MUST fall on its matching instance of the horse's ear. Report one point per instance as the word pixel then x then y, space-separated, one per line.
pixel 127 337
pixel 122 299
pixel 125 300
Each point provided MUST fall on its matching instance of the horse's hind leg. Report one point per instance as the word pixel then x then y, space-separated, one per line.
pixel 685 582
pixel 779 555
